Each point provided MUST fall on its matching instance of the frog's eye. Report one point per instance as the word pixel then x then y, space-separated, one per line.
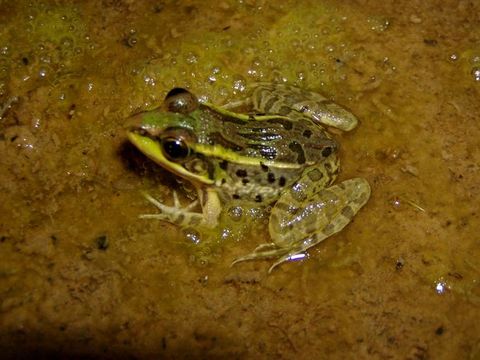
pixel 181 101
pixel 175 148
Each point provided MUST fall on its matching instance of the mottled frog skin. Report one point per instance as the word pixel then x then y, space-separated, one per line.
pixel 277 153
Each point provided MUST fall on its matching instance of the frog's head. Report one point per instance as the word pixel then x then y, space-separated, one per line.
pixel 167 135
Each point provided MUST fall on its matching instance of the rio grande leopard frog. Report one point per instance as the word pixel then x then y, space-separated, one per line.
pixel 277 154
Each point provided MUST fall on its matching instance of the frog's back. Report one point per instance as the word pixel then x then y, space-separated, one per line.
pixel 269 155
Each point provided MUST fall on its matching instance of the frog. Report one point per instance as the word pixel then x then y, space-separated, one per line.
pixel 272 149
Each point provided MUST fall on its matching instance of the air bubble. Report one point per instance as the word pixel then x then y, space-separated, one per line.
pixel 310 46
pixel 213 76
pixel 223 92
pixel 192 235
pixel 256 62
pixel 45 59
pixel 149 80
pixel 256 212
pixel 66 42
pixel 330 48
pixel 396 202
pixel 296 43
pixel 36 123
pixel 226 233
pixel 235 213
pixel 131 41
pixel 239 84
pixel 42 73
pixel 476 73
pixel 191 58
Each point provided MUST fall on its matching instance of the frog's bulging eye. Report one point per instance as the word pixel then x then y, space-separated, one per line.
pixel 175 149
pixel 181 101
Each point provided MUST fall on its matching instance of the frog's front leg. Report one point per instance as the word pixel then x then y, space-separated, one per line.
pixel 288 100
pixel 185 216
pixel 303 217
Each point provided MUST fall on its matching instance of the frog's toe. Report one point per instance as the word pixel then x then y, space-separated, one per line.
pixel 182 216
pixel 288 257
pixel 264 251
pixel 268 251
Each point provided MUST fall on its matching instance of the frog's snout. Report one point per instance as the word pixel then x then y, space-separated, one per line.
pixel 134 122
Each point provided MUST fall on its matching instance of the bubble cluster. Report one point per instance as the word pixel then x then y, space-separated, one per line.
pixel 51 44
pixel 218 66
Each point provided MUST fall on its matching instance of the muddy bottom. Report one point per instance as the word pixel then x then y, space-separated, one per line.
pixel 81 275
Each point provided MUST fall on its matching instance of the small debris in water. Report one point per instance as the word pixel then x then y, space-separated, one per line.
pixel 400 263
pixel 396 202
pixel 102 242
pixel 415 19
pixel 7 105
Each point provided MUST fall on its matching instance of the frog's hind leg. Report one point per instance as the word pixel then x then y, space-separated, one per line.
pixel 263 251
pixel 300 220
pixel 288 100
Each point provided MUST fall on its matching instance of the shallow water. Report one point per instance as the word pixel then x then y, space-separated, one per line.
pixel 82 275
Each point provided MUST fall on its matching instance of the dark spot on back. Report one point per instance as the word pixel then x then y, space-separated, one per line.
pixel 271 177
pixel 347 211
pixel 236 196
pixel 307 133
pixel 264 167
pixel 258 198
pixel 245 181
pixel 298 149
pixel 223 164
pixel 282 181
pixel 241 173
pixel 327 151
